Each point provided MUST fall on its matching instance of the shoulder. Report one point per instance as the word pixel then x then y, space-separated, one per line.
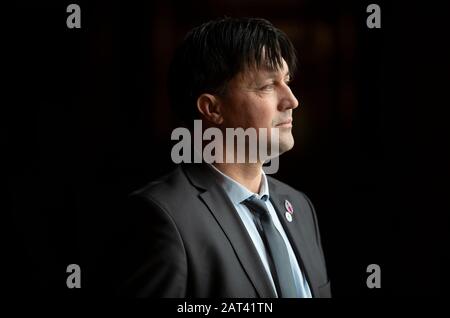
pixel 170 187
pixel 170 197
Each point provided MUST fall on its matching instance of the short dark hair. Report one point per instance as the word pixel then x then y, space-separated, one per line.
pixel 214 52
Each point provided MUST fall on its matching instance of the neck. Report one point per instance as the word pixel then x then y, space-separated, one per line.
pixel 247 174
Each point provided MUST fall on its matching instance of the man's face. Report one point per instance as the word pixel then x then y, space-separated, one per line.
pixel 261 98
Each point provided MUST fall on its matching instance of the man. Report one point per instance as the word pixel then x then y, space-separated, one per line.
pixel 226 229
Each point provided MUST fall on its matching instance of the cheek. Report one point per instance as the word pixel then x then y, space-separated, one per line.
pixel 250 111
pixel 265 112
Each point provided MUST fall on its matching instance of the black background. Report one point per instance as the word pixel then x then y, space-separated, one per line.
pixel 85 120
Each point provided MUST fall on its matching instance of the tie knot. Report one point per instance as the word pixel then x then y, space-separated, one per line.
pixel 257 206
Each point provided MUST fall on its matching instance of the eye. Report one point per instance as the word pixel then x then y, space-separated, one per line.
pixel 268 87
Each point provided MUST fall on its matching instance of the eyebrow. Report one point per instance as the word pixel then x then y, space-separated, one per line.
pixel 273 74
pixel 270 74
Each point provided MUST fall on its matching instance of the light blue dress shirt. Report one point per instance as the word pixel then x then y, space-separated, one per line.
pixel 237 193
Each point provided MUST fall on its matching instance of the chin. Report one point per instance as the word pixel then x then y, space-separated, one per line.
pixel 286 144
pixel 286 147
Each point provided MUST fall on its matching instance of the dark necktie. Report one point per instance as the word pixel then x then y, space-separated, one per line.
pixel 279 257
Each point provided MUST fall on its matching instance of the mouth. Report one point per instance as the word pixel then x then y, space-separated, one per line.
pixel 285 124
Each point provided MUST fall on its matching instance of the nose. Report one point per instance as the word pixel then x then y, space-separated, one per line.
pixel 288 99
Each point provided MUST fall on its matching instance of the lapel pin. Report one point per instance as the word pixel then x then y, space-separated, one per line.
pixel 288 206
pixel 288 216
pixel 289 209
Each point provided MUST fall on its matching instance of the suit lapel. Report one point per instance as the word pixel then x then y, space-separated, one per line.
pixel 295 233
pixel 226 216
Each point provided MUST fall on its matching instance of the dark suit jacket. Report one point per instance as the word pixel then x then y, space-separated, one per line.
pixel 187 240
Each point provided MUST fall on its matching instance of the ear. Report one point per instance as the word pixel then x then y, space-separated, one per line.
pixel 209 106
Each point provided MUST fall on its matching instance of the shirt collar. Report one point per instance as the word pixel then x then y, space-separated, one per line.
pixel 236 191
